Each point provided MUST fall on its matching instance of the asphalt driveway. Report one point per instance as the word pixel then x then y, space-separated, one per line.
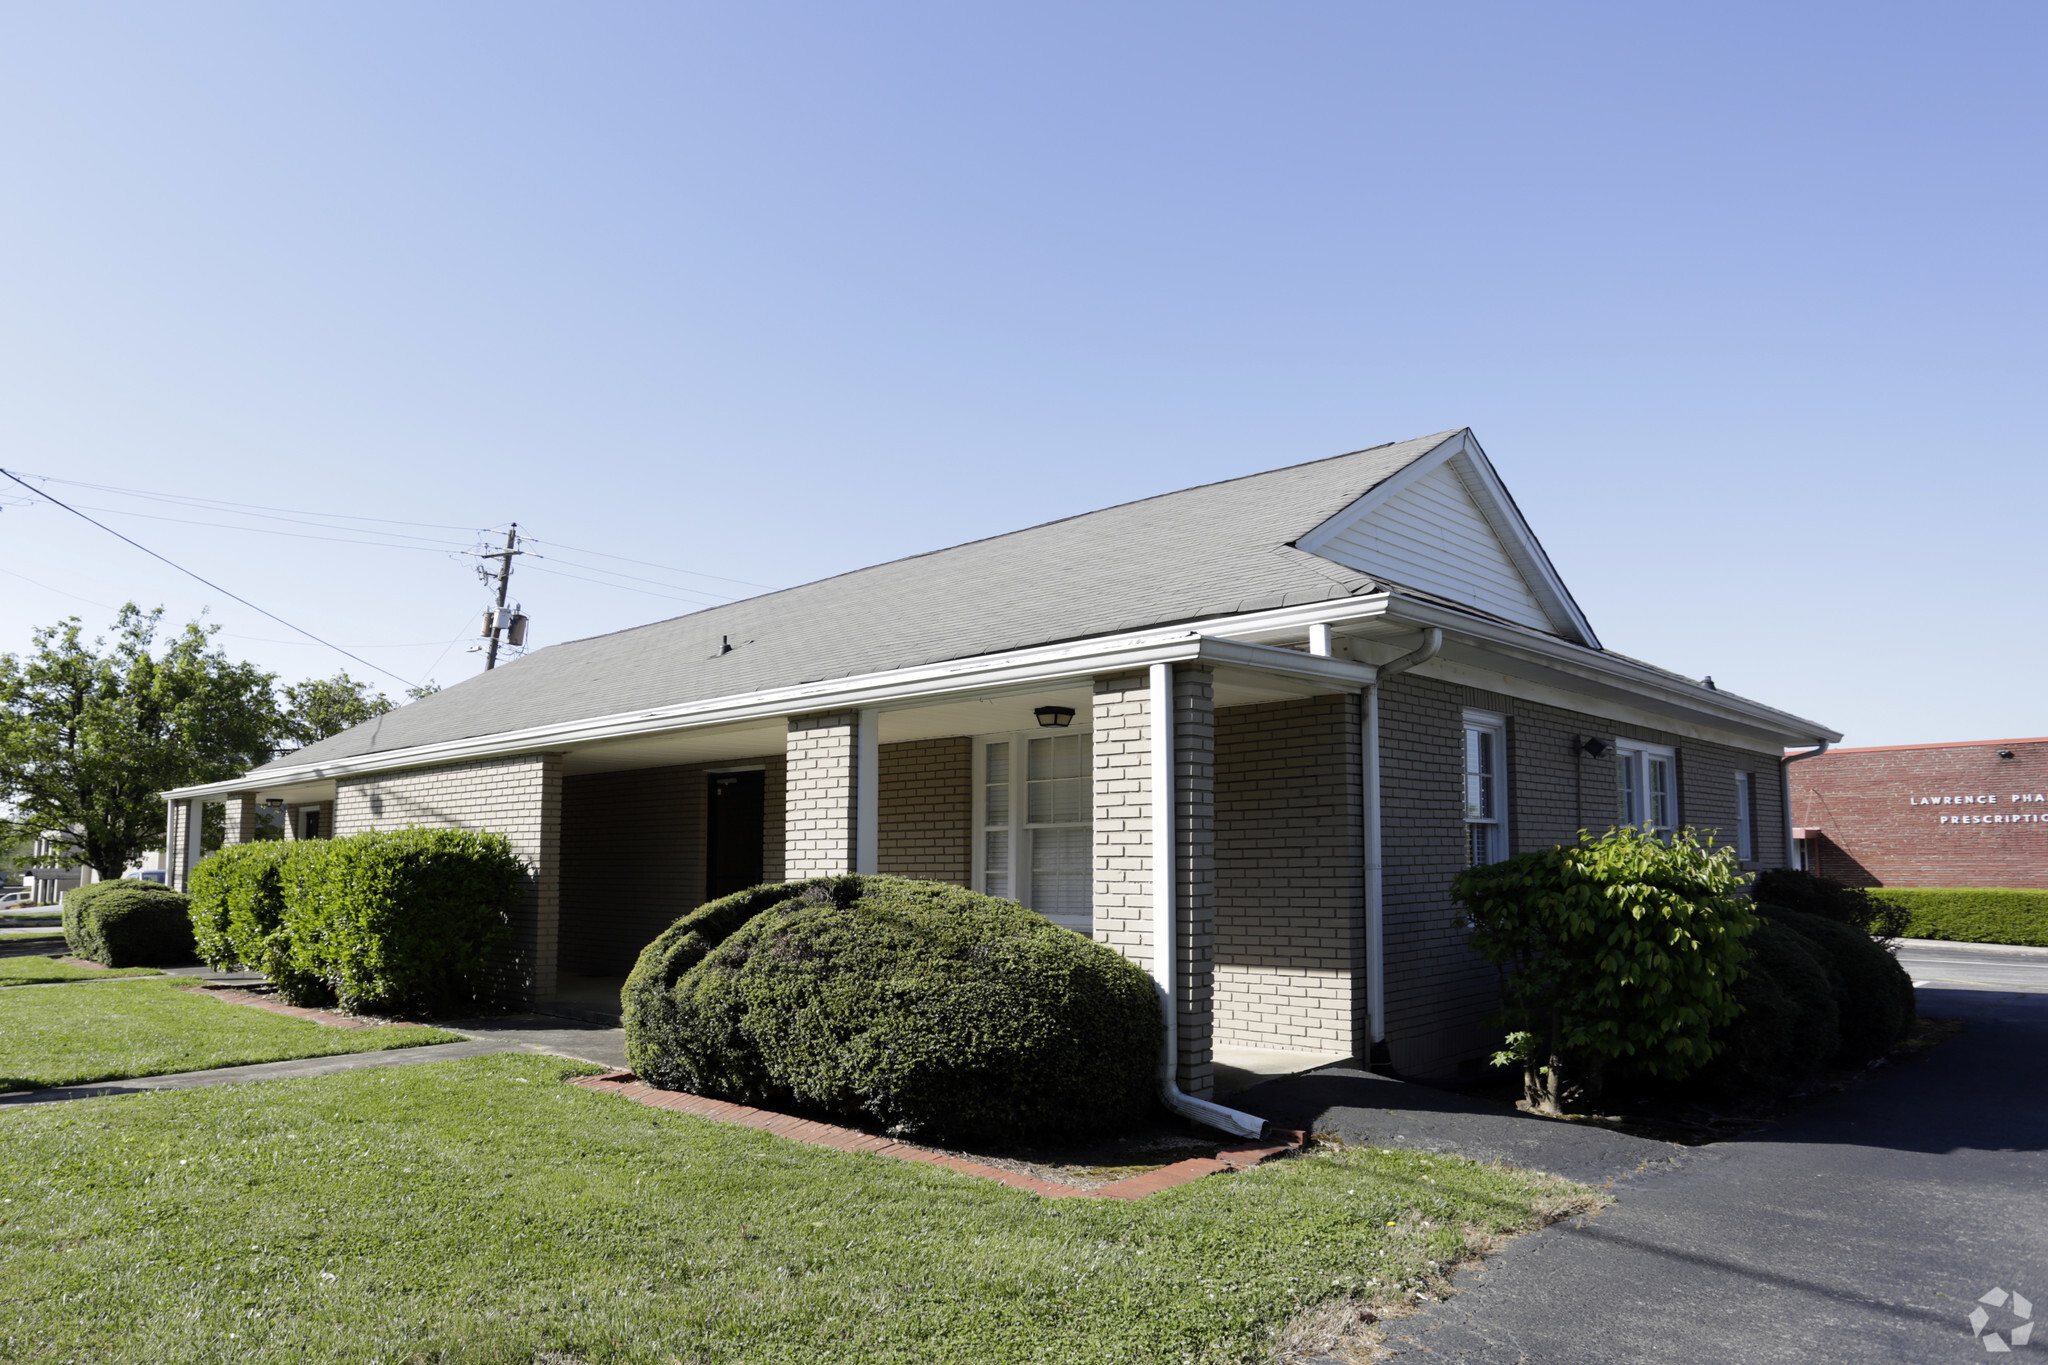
pixel 1866 1228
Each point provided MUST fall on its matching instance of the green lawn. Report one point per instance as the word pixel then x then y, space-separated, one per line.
pixel 68 1035
pixel 31 971
pixel 480 1211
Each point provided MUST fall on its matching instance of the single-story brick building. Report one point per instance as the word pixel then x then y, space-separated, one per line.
pixel 1967 814
pixel 1334 684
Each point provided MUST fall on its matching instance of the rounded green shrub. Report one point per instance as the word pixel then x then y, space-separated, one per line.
pixel 239 912
pixel 1790 1025
pixel 919 1006
pixel 1872 991
pixel 129 923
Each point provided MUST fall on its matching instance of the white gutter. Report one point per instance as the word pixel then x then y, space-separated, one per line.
pixel 1375 860
pixel 1026 668
pixel 1165 938
pixel 1019 670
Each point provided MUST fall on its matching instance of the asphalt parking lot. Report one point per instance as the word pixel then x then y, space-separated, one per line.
pixel 1865 1228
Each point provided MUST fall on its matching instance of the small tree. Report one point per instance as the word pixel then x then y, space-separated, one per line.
pixel 319 707
pixel 90 734
pixel 1616 948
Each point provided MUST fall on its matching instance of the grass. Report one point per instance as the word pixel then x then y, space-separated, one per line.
pixel 69 1035
pixel 35 971
pixel 480 1213
pixel 33 931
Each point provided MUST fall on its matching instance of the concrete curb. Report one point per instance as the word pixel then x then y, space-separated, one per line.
pixel 1942 945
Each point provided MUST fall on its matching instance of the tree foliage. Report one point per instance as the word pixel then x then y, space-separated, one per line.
pixel 92 731
pixel 1620 948
pixel 319 707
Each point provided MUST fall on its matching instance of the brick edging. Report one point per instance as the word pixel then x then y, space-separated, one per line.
pixel 626 1086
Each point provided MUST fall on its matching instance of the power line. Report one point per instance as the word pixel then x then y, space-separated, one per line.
pixel 59 591
pixel 207 581
pixel 622 587
pixel 439 547
pixel 249 506
pixel 716 598
pixel 648 564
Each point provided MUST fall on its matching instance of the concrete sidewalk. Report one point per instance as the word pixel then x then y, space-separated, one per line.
pixel 589 1043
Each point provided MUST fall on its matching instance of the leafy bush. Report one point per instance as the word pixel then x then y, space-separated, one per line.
pixel 1615 948
pixel 128 923
pixel 413 920
pixel 239 905
pixel 918 1005
pixel 405 921
pixel 1872 992
pixel 1972 914
pixel 1855 906
pixel 1790 1024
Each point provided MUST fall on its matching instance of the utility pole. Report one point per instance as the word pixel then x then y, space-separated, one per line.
pixel 504 558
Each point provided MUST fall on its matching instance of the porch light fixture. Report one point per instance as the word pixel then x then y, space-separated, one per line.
pixel 1592 748
pixel 1054 717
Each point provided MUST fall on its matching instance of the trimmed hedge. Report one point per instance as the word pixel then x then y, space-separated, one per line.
pixel 1972 914
pixel 238 912
pixel 409 920
pixel 399 922
pixel 916 1005
pixel 128 923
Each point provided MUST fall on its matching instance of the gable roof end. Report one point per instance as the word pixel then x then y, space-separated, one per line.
pixel 1437 524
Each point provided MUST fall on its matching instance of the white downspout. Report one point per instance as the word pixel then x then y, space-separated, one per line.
pixel 1164 937
pixel 1785 793
pixel 1375 862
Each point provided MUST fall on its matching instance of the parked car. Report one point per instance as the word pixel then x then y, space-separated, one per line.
pixel 14 899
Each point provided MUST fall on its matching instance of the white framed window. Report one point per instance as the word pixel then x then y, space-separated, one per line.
pixel 1646 780
pixel 1745 817
pixel 1486 788
pixel 1034 826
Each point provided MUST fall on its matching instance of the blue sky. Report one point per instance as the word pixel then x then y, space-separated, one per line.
pixel 1744 301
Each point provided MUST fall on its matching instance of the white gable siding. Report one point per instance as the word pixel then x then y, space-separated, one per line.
pixel 1432 536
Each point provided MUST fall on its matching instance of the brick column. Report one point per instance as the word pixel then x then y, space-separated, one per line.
pixel 1123 816
pixel 821 795
pixel 177 819
pixel 1194 879
pixel 241 827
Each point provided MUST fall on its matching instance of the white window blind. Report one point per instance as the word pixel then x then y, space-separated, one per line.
pixel 1036 824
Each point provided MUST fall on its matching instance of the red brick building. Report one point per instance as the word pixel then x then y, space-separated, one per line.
pixel 1925 814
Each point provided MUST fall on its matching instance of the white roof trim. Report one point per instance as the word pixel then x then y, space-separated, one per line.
pixel 1476 473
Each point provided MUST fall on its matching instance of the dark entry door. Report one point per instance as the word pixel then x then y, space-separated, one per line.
pixel 733 838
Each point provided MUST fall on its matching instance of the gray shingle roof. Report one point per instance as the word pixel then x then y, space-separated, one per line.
pixel 1209 551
